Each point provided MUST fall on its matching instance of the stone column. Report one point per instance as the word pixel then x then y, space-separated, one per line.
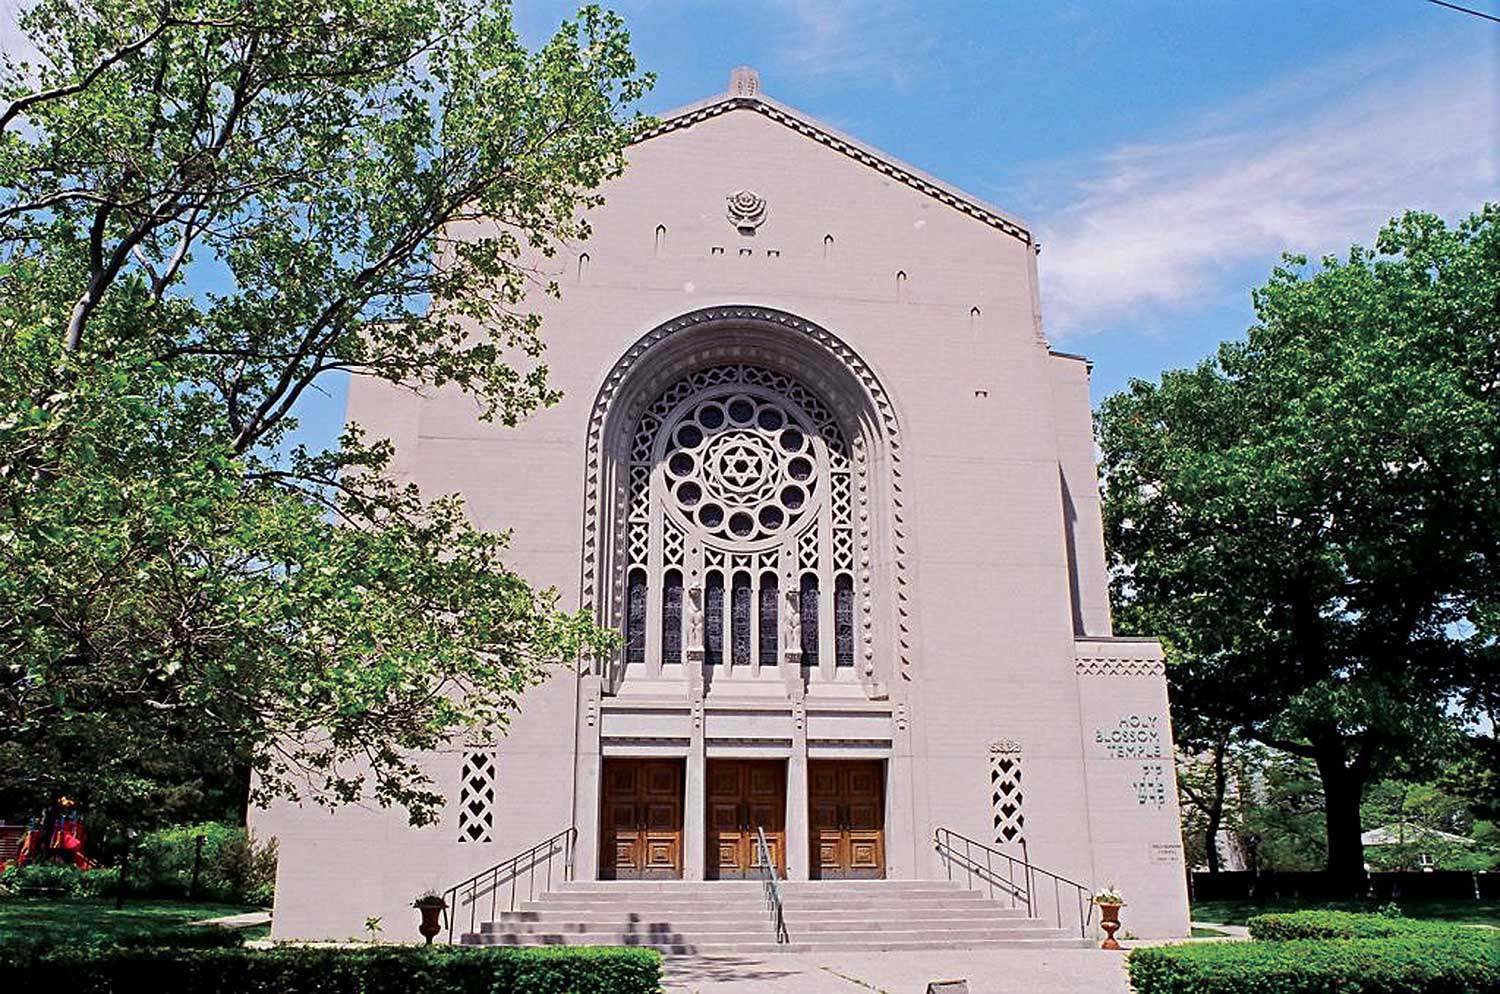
pixel 798 844
pixel 906 838
pixel 587 769
pixel 694 800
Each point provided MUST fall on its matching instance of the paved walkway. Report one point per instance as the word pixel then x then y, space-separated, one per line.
pixel 248 920
pixel 988 971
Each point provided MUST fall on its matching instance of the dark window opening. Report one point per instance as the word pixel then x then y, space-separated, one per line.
pixel 768 614
pixel 843 620
pixel 713 620
pixel 739 620
pixel 671 617
pixel 635 618
pixel 808 609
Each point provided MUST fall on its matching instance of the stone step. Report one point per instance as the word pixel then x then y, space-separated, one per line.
pixel 1021 926
pixel 723 886
pixel 883 942
pixel 550 901
pixel 792 913
pixel 705 917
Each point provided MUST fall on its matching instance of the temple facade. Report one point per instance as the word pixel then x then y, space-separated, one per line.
pixel 818 464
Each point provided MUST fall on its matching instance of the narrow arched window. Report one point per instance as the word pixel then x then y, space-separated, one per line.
pixel 635 618
pixel 713 619
pixel 843 620
pixel 661 238
pixel 808 609
pixel 769 613
pixel 671 617
pixel 739 619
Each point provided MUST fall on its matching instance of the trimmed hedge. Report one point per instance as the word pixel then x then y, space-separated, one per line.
pixel 302 970
pixel 27 949
pixel 1344 925
pixel 1457 964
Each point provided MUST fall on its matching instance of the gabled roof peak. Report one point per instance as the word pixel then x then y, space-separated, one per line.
pixel 745 94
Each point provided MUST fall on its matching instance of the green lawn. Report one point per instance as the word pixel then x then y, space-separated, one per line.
pixel 1237 912
pixel 64 920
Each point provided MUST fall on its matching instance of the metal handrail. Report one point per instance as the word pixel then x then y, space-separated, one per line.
pixel 773 889
pixel 492 882
pixel 969 860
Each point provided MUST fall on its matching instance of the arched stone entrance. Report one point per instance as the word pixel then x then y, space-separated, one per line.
pixel 744 531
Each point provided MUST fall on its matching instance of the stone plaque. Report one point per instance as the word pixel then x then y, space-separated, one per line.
pixel 948 987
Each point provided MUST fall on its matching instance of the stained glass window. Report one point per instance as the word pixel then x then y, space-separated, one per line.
pixel 769 596
pixel 671 617
pixel 809 618
pixel 635 619
pixel 739 620
pixel 713 620
pixel 843 620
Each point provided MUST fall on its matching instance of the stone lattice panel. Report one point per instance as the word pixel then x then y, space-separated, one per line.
pixel 476 797
pixel 1009 820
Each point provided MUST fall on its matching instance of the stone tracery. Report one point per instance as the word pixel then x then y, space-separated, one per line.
pixel 871 625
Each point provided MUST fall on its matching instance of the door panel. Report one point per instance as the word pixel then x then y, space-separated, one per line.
pixel 641 827
pixel 846 813
pixel 744 794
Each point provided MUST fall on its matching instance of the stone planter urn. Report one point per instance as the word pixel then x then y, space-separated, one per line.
pixel 1109 920
pixel 431 907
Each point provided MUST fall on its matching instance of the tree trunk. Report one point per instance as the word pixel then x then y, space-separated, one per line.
pixel 1343 790
pixel 1216 807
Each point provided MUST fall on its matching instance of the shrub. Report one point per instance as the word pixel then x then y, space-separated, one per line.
pixel 1342 925
pixel 233 868
pixel 546 970
pixel 58 880
pixel 1454 964
pixel 28 948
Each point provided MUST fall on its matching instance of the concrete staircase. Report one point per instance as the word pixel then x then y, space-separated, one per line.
pixel 688 918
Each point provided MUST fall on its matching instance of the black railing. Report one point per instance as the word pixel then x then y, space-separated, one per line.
pixel 997 871
pixel 773 889
pixel 500 885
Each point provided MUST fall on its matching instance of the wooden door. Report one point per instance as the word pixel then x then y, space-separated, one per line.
pixel 846 811
pixel 744 794
pixel 640 834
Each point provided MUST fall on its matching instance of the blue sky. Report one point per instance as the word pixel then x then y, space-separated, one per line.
pixel 1165 153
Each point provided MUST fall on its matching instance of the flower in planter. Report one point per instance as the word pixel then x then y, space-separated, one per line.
pixel 1108 895
pixel 430 899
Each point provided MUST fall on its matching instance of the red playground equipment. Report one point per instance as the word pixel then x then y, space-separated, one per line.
pixel 57 837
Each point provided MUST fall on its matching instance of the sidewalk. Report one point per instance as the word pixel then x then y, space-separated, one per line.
pixel 988 971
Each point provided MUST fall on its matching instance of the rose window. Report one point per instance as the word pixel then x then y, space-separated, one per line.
pixel 741 530
pixel 741 468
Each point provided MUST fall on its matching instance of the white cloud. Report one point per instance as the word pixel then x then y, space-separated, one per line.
pixel 1311 164
pixel 878 38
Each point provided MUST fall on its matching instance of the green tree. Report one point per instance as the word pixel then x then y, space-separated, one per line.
pixel 206 208
pixel 1311 517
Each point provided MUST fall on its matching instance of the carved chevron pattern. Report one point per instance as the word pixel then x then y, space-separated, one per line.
pixel 1120 667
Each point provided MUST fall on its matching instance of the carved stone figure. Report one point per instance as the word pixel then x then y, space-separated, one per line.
pixel 793 638
pixel 695 618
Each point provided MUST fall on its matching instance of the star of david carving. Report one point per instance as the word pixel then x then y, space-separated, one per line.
pixel 741 465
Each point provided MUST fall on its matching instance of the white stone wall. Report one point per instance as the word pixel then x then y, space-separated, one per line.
pixel 1003 553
